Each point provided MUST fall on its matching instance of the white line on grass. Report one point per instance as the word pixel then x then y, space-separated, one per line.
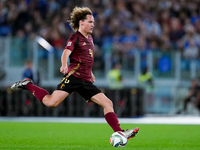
pixel 143 120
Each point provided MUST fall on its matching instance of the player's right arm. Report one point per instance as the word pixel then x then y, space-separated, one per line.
pixel 64 59
pixel 67 51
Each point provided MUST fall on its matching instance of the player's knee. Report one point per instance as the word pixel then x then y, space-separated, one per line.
pixel 110 103
pixel 52 104
pixel 107 104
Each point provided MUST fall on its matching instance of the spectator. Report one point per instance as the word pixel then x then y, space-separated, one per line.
pixel 191 35
pixel 169 21
pixel 165 43
pixel 176 31
pixel 146 80
pixel 193 96
pixel 141 47
pixel 31 73
pixel 195 17
pixel 197 26
pixel 97 38
pixel 191 52
pixel 152 26
pixel 22 18
pixel 57 41
pixel 115 77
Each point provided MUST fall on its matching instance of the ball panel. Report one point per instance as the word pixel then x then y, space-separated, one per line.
pixel 118 139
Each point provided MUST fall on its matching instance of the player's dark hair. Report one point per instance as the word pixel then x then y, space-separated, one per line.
pixel 78 13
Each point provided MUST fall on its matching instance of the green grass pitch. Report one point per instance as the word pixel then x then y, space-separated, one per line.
pixel 83 136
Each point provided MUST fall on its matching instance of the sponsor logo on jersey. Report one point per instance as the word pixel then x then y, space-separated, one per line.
pixel 69 43
pixel 84 43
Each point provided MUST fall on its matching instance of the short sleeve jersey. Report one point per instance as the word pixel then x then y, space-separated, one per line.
pixel 82 56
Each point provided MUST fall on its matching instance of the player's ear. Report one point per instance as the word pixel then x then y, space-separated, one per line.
pixel 80 22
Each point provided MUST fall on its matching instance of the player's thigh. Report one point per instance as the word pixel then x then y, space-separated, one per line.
pixel 101 100
pixel 88 90
pixel 56 97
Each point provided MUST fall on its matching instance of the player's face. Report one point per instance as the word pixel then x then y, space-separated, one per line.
pixel 88 24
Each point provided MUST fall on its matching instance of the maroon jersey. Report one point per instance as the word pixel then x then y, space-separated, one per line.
pixel 82 56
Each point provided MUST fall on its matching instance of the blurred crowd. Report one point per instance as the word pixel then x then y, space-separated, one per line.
pixel 122 27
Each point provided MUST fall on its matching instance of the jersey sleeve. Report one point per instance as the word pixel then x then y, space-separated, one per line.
pixel 71 42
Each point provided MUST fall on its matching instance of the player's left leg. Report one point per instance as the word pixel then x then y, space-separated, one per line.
pixel 110 116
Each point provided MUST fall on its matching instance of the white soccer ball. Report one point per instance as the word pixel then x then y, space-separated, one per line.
pixel 118 139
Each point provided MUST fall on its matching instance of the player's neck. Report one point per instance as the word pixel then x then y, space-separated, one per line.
pixel 83 33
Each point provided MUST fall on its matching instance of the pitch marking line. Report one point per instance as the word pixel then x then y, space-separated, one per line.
pixel 144 120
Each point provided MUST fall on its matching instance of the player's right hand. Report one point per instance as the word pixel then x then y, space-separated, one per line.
pixel 63 70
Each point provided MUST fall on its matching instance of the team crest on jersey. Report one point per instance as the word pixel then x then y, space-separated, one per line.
pixel 84 43
pixel 91 52
pixel 69 43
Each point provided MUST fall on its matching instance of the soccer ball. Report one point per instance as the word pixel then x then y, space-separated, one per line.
pixel 118 139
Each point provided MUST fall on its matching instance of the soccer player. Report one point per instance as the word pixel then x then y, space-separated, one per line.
pixel 78 75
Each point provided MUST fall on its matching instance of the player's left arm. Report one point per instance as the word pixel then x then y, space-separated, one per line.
pixel 92 77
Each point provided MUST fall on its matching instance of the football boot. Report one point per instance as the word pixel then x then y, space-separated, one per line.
pixel 21 84
pixel 131 133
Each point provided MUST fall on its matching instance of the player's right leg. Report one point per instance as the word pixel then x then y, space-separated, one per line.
pixel 41 94
pixel 21 85
pixel 55 98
